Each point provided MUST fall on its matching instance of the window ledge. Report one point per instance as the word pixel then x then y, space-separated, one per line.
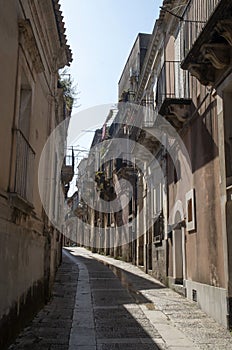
pixel 20 203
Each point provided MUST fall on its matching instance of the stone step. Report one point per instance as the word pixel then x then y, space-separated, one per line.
pixel 179 288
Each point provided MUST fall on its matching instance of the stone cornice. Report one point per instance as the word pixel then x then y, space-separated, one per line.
pixel 51 29
pixel 27 38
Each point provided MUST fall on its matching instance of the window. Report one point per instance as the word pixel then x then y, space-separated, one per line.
pixel 190 210
pixel 24 152
pixel 25 110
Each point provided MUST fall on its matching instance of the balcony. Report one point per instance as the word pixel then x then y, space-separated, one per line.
pixel 67 171
pixel 127 96
pixel 173 93
pixel 148 114
pixel 105 186
pixel 127 171
pixel 79 209
pixel 208 56
pixel 195 19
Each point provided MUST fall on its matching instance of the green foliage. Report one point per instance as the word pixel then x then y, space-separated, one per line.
pixel 69 90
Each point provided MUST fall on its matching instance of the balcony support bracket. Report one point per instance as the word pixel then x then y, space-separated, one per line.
pixel 204 72
pixel 218 54
pixel 181 111
pixel 224 29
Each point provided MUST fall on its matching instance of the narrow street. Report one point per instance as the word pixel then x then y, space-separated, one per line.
pixel 116 138
pixel 99 303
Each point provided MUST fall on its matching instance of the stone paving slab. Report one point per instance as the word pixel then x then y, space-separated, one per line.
pixel 134 346
pixel 100 303
pixel 50 329
pixel 115 326
pixel 180 322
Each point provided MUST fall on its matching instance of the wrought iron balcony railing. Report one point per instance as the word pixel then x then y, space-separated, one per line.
pixel 173 87
pixel 195 17
pixel 209 56
pixel 67 171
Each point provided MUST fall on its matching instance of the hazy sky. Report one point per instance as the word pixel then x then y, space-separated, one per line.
pixel 101 34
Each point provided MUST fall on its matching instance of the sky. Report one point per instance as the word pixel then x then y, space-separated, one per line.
pixel 101 34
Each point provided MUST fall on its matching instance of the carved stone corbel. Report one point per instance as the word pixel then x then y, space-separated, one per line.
pixel 180 111
pixel 174 122
pixel 217 53
pixel 28 39
pixel 204 72
pixel 224 28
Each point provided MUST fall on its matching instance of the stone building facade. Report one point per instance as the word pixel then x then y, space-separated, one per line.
pixel 184 83
pixel 33 49
pixel 208 58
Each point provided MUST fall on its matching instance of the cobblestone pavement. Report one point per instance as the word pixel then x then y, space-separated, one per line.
pixel 180 322
pixel 106 315
pixel 114 305
pixel 50 329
